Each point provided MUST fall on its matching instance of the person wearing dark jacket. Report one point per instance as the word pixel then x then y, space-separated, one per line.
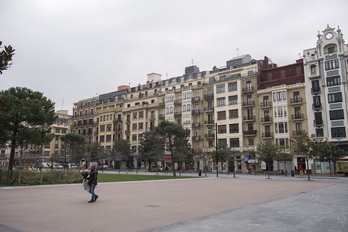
pixel 92 182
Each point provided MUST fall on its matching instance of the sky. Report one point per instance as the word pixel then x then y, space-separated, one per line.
pixel 72 50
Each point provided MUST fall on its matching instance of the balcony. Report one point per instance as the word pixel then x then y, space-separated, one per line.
pixel 249 118
pixel 297 100
pixel 209 108
pixel 221 118
pixel 208 96
pixel 209 136
pixel 161 116
pixel 248 89
pixel 196 99
pixel 178 114
pixel 161 105
pixel 315 90
pixel 297 133
pixel 118 120
pixel 196 125
pixel 267 135
pixel 196 111
pixel 316 106
pixel 297 117
pixel 250 133
pixel 152 118
pixel 265 104
pixel 318 122
pixel 209 122
pixel 196 138
pixel 266 120
pixel 234 131
pixel 178 102
pixel 222 131
pixel 248 104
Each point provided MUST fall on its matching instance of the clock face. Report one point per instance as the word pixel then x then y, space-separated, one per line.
pixel 328 35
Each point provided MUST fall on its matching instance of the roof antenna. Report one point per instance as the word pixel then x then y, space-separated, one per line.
pixel 62 104
pixel 237 51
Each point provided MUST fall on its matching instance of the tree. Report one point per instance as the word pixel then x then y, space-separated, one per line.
pixel 223 154
pixel 25 119
pixel 150 148
pixel 96 153
pixel 121 151
pixel 74 147
pixel 6 57
pixel 174 137
pixel 307 147
pixel 267 152
pixel 330 153
pixel 284 155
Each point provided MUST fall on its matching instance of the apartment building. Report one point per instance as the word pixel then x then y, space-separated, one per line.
pixel 282 108
pixel 325 70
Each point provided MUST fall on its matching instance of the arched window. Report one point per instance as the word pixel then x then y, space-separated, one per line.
pixel 167 110
pixel 184 108
pixel 171 109
pixel 184 96
pixel 188 107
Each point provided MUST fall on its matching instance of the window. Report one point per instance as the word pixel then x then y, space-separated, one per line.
pixel 233 100
pixel 232 86
pixel 221 115
pixel 313 69
pixel 234 142
pixel 221 101
pixel 135 115
pixel 222 141
pixel 338 132
pixel 171 109
pixel 249 87
pixel 141 125
pixel 108 138
pixel 221 129
pixel 102 128
pixel 233 114
pixel 134 126
pixel 251 141
pixel 331 50
pixel 331 64
pixel 183 108
pixel 336 114
pixel 188 107
pixel 319 132
pixel 102 138
pixel 318 119
pixel 331 81
pixel 141 114
pixel 220 88
pixel 250 73
pixel 134 137
pixel 335 97
pixel 281 127
pixel 211 80
pixel 134 148
pixel 234 128
pixel 211 143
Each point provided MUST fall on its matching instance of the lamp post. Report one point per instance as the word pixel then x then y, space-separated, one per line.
pixel 216 147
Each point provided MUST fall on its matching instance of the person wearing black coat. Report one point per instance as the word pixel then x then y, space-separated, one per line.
pixel 92 182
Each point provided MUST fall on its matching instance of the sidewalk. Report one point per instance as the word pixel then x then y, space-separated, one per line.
pixel 244 203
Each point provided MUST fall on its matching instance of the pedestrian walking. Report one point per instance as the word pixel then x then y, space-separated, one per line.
pixel 92 182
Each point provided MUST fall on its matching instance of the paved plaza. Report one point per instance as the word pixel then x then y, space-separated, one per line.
pixel 244 203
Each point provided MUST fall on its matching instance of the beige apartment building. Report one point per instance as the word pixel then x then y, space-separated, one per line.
pixel 241 104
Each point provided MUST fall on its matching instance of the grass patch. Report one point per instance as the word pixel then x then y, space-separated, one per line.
pixel 103 177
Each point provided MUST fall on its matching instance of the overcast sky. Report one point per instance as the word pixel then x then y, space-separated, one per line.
pixel 76 49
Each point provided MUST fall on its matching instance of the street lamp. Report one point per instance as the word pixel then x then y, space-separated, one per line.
pixel 216 150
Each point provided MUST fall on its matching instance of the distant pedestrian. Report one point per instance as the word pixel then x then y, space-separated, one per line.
pixel 92 182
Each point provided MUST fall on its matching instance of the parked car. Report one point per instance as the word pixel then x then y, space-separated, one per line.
pixel 57 166
pixel 45 165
